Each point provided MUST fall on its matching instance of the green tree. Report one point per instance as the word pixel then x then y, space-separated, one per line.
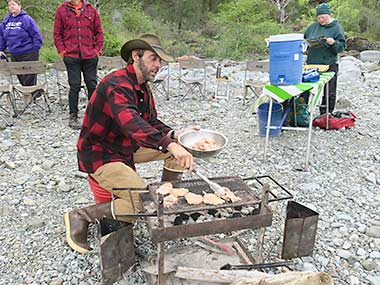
pixel 245 25
pixel 348 14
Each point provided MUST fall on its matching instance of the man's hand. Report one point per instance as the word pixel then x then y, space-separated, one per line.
pixel 330 41
pixel 183 157
pixel 191 128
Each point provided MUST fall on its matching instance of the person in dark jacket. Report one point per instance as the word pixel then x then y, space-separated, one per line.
pixel 331 42
pixel 78 37
pixel 19 34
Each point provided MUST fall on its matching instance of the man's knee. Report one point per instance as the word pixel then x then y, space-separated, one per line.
pixel 118 175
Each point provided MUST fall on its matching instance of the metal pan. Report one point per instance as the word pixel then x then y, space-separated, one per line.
pixel 189 138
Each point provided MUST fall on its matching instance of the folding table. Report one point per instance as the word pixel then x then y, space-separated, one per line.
pixel 286 92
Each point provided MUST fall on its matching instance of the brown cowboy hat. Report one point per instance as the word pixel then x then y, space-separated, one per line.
pixel 145 41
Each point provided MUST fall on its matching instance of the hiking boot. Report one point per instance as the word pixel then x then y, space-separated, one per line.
pixel 77 221
pixel 74 122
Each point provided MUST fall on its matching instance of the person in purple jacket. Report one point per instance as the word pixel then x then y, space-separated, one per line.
pixel 20 34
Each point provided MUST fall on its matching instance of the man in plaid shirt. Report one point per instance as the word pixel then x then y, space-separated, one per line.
pixel 78 37
pixel 121 128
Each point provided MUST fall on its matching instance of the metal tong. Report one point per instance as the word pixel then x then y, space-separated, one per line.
pixel 214 186
pixel 257 266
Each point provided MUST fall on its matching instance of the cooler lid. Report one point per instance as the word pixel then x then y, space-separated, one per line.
pixel 286 37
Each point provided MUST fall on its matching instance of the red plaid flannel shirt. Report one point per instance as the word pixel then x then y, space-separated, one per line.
pixel 78 36
pixel 120 117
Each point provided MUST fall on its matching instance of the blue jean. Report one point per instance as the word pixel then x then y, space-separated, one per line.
pixel 74 67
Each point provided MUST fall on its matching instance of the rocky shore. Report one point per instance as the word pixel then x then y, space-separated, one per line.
pixel 39 181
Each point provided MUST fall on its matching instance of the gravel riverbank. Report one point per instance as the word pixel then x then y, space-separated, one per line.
pixel 39 181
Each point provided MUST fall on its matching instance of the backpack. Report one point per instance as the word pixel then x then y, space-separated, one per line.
pixel 337 120
pixel 299 116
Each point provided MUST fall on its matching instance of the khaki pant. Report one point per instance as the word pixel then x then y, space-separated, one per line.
pixel 119 175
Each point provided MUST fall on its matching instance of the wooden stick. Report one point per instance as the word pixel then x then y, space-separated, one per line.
pixel 241 277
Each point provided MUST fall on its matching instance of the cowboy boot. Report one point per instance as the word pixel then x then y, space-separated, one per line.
pixel 77 221
pixel 168 175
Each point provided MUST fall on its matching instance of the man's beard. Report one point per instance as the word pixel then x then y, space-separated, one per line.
pixel 145 72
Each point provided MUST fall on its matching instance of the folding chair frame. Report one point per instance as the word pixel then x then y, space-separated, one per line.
pixel 30 67
pixel 196 83
pixel 255 86
pixel 7 91
pixel 63 87
pixel 110 63
pixel 158 84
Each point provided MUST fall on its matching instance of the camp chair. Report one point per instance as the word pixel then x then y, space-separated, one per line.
pixel 62 85
pixel 7 102
pixel 28 95
pixel 8 108
pixel 189 75
pixel 255 85
pixel 159 85
pixel 106 64
pixel 61 80
pixel 6 98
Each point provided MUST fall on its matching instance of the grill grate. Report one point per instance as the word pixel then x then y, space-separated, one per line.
pixel 235 184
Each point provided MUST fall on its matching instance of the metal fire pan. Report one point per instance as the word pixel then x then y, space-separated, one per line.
pixel 211 227
pixel 197 186
pixel 300 231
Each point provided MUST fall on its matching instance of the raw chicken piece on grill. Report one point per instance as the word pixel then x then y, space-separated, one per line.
pixel 212 199
pixel 164 189
pixel 178 192
pixel 193 199
pixel 169 201
pixel 229 195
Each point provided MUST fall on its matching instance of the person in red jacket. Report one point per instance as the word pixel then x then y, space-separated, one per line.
pixel 78 37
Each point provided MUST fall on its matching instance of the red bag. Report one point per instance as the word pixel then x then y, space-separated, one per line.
pixel 337 120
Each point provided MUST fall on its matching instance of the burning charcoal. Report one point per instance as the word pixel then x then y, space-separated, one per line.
pixel 230 210
pixel 209 218
pixel 178 221
pixel 245 211
pixel 250 209
pixel 195 216
pixel 212 212
pixel 181 219
pixel 185 217
pixel 201 219
pixel 236 215
pixel 224 213
pixel 256 211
